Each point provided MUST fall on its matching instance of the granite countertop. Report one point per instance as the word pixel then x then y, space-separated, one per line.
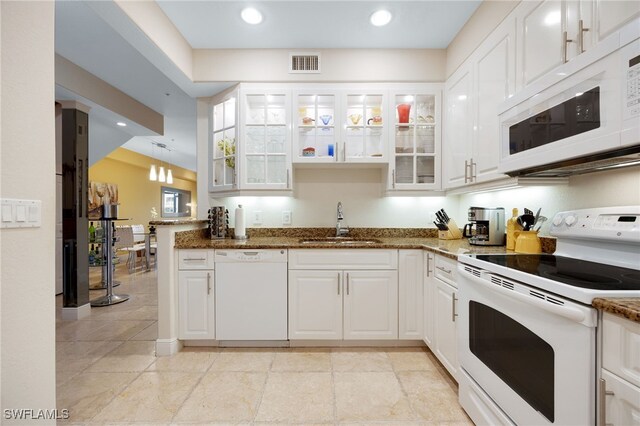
pixel 386 238
pixel 628 308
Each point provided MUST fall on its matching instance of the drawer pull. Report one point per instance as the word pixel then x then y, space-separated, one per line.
pixel 195 258
pixel 443 269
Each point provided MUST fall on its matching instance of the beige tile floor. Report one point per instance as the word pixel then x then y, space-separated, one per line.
pixel 108 374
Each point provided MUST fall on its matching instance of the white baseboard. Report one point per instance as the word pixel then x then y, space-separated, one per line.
pixel 71 314
pixel 356 343
pixel 168 347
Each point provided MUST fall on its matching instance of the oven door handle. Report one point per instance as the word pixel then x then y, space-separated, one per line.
pixel 565 311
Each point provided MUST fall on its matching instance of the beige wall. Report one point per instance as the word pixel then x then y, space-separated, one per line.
pixel 137 194
pixel 363 65
pixel 27 171
pixel 488 15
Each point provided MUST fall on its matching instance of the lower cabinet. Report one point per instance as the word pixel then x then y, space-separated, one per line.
pixel 351 304
pixel 196 305
pixel 620 374
pixel 410 288
pixel 440 290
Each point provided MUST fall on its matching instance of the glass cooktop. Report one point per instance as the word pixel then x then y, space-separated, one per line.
pixel 567 270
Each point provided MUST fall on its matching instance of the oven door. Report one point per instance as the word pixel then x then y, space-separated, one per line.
pixel 533 354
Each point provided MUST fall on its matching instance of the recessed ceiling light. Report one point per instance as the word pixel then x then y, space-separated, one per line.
pixel 380 18
pixel 121 124
pixel 251 16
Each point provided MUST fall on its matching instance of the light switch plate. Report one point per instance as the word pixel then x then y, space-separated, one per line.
pixel 21 213
pixel 286 217
pixel 256 217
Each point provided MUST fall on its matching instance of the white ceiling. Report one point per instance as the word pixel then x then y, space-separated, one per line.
pixel 417 24
pixel 98 37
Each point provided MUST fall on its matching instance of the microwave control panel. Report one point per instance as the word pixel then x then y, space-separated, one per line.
pixel 631 98
pixel 607 223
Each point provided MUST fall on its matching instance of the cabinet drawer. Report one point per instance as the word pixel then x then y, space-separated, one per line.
pixel 445 270
pixel 195 259
pixel 343 259
pixel 621 347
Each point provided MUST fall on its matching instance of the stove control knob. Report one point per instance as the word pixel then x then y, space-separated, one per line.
pixel 557 220
pixel 570 220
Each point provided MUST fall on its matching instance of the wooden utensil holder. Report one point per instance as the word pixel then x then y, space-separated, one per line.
pixel 453 233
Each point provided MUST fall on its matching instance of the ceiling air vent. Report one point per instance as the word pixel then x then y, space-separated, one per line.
pixel 304 63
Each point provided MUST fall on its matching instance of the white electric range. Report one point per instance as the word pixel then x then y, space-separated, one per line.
pixel 527 330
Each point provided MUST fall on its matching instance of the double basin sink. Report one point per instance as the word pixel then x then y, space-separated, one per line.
pixel 338 241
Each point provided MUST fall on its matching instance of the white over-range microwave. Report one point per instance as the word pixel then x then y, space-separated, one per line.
pixel 583 117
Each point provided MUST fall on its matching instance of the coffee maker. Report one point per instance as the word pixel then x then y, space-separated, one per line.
pixel 489 226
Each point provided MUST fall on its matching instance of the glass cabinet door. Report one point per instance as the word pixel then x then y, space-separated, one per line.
pixel 266 142
pixel 364 137
pixel 314 127
pixel 223 149
pixel 414 146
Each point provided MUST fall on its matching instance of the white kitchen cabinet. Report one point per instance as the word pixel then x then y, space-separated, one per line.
pixel 347 293
pixel 553 32
pixel 429 285
pixel 250 139
pixel 315 305
pixel 353 304
pixel 223 142
pixel 370 305
pixel 473 94
pixel 620 374
pixel 316 125
pixel 415 146
pixel 265 138
pixel 196 295
pixel 410 294
pixel 442 304
pixel 364 119
pixel 196 305
pixel 445 326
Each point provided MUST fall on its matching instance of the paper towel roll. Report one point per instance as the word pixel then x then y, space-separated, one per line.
pixel 240 229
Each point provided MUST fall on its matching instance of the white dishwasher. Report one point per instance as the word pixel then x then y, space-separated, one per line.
pixel 251 294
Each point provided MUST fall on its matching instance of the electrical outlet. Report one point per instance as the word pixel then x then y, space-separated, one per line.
pixel 286 217
pixel 257 217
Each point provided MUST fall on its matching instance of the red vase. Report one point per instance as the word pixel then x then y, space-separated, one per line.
pixel 403 113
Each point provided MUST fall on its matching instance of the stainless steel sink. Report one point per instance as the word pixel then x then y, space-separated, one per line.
pixel 334 241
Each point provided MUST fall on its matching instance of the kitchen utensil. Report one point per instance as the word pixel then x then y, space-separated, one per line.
pixel 539 222
pixel 445 215
pixel 440 218
pixel 526 220
pixel 535 220
pixel 440 226
pixel 527 211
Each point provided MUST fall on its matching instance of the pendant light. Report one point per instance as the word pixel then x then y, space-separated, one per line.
pixel 153 176
pixel 161 176
pixel 169 174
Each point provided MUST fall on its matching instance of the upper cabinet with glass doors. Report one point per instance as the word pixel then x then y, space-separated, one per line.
pixel 415 150
pixel 266 139
pixel 364 138
pixel 223 142
pixel 314 126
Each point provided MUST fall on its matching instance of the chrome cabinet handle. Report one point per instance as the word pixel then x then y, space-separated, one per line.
pixel 466 174
pixel 453 308
pixel 344 150
pixel 429 271
pixel 565 40
pixel 288 178
pixel 581 31
pixel 443 269
pixel 473 167
pixel 194 258
pixel 347 283
pixel 338 283
pixel 208 282
pixel 603 402
pixel 393 178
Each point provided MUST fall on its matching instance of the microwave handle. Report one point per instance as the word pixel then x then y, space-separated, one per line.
pixel 564 311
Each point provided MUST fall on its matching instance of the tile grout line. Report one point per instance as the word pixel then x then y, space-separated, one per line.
pixel 264 389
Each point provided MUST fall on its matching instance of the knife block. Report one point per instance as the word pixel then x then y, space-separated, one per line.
pixel 452 234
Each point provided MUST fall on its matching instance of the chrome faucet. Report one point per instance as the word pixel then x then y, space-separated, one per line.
pixel 341 230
